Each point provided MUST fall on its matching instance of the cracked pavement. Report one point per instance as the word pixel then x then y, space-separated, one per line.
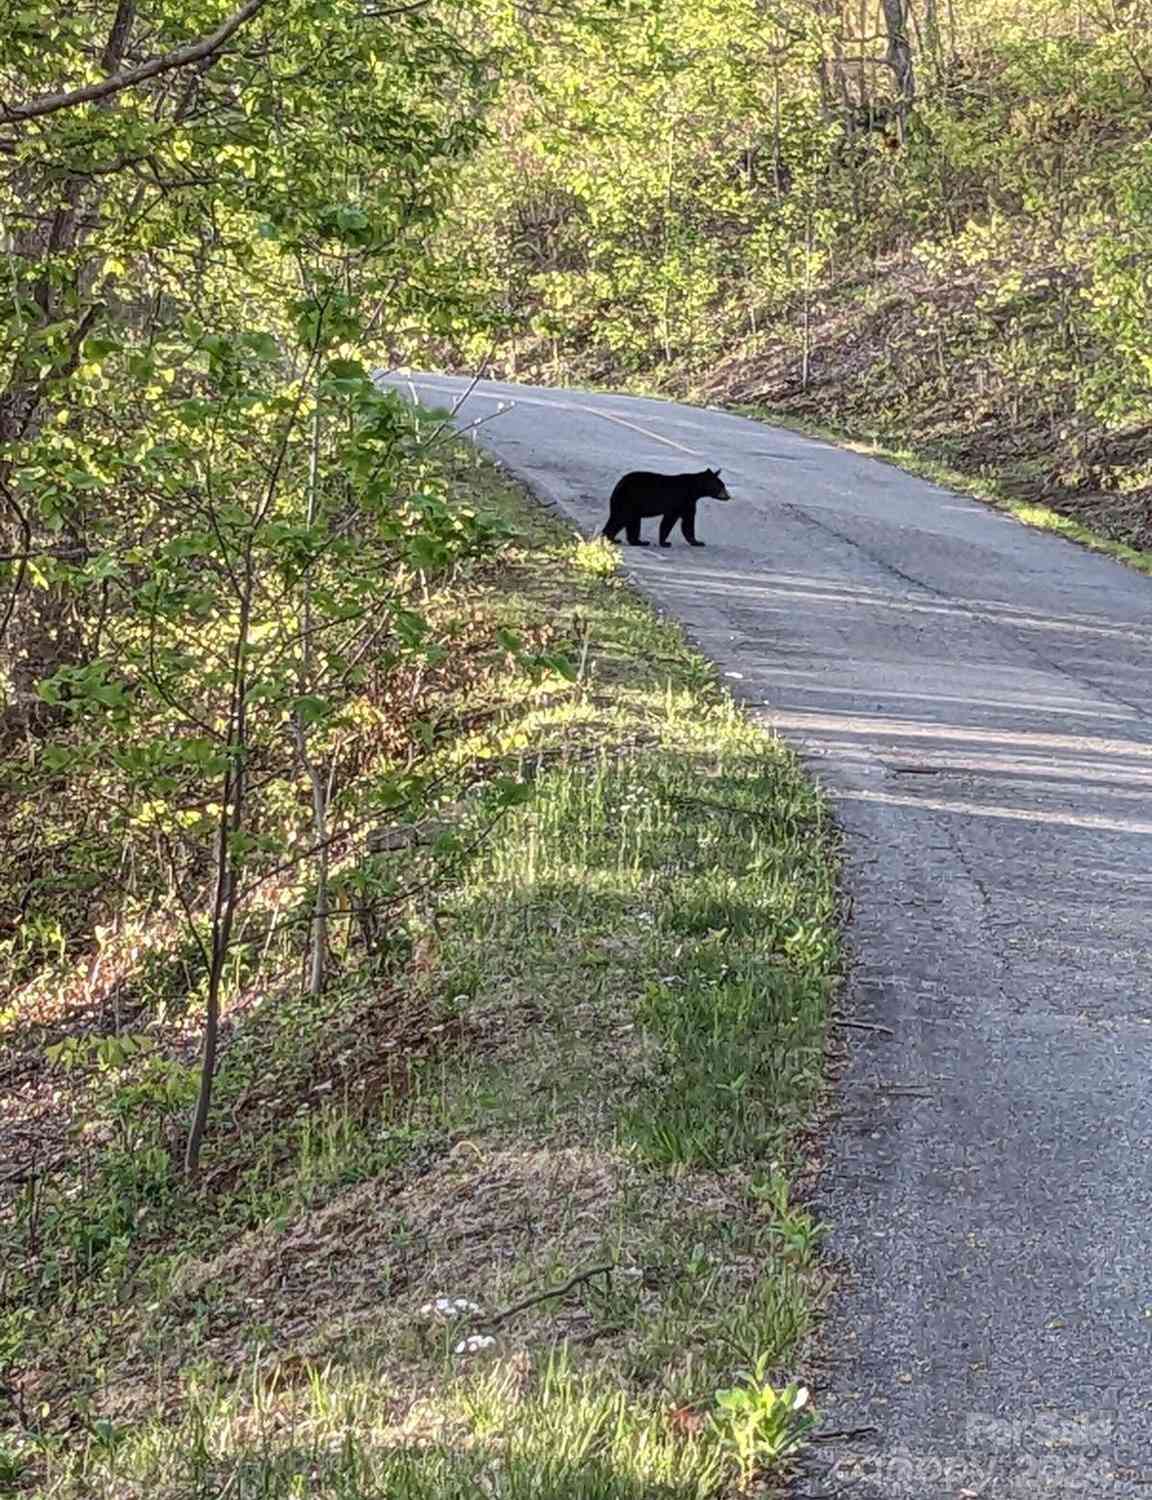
pixel 975 698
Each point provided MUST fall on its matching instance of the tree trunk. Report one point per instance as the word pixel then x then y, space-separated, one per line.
pixel 38 632
pixel 899 59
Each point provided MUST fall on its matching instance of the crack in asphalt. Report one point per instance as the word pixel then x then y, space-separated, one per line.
pixel 980 886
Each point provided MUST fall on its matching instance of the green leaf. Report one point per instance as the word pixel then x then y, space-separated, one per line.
pixel 263 345
pixel 346 369
pixel 58 757
pixel 510 793
pixel 311 709
pixel 99 347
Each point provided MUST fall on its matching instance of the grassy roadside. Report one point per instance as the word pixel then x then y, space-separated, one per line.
pixel 981 487
pixel 520 1242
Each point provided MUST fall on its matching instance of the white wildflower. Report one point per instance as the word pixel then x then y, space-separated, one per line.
pixel 449 1307
pixel 474 1343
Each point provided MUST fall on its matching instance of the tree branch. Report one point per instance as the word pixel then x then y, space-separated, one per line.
pixel 395 10
pixel 60 552
pixel 49 104
pixel 556 1291
pixel 118 36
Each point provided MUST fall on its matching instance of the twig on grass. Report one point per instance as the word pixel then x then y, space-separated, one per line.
pixel 841 1432
pixel 595 1334
pixel 558 1291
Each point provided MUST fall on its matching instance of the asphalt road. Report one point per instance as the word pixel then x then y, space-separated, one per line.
pixel 976 698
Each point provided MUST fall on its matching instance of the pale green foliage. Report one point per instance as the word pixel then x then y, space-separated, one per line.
pixel 598 557
pixel 217 530
pixel 717 182
pixel 1120 295
pixel 622 191
pixel 759 1423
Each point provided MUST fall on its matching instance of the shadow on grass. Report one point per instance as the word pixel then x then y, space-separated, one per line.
pixel 696 896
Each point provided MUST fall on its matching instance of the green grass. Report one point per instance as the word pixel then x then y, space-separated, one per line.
pixel 980 487
pixel 604 1042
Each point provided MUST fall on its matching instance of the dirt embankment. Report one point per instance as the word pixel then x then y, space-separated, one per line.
pixel 957 370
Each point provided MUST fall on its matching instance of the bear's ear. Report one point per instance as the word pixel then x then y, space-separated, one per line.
pixel 716 472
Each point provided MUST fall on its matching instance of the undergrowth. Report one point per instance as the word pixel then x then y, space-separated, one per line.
pixel 512 1206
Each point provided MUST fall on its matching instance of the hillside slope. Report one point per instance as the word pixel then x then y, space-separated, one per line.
pixel 920 362
pixel 947 252
pixel 505 1207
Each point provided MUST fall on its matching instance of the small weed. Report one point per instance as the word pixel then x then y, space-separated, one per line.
pixel 13 1463
pixel 597 557
pixel 797 1233
pixel 759 1424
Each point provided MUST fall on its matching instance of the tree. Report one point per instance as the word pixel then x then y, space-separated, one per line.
pixel 55 191
pixel 210 513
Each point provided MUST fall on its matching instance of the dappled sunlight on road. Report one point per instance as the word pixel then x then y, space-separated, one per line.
pixel 1028 815
pixel 983 708
pixel 763 587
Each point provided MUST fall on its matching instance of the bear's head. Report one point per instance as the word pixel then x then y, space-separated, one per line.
pixel 713 486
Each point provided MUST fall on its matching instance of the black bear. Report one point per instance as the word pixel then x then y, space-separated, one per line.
pixel 672 497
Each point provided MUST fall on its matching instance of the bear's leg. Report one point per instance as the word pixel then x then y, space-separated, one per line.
pixel 688 526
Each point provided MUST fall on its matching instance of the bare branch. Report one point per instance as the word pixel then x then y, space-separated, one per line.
pixel 60 552
pixel 395 10
pixel 556 1291
pixel 183 57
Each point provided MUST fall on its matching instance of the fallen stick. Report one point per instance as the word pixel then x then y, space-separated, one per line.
pixel 557 1291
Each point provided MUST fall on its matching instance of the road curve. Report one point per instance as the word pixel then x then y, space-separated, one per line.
pixel 976 699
